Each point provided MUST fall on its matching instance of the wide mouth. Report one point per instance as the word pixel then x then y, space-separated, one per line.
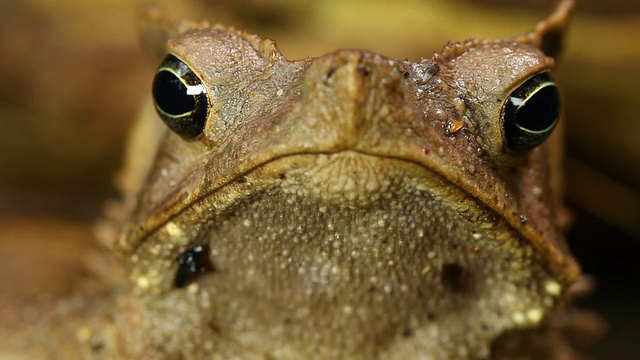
pixel 293 254
pixel 340 176
pixel 348 187
pixel 350 180
pixel 304 243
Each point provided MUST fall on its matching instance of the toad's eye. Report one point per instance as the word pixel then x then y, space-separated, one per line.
pixel 180 98
pixel 531 112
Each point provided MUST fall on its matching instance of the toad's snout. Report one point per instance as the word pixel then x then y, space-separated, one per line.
pixel 359 93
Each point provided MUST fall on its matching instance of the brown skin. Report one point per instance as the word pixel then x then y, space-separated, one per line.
pixel 351 206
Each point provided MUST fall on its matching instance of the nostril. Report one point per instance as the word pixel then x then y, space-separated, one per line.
pixel 332 70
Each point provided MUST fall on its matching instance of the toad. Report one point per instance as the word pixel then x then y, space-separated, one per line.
pixel 350 206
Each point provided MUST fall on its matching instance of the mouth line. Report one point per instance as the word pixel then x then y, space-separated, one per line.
pixel 319 153
pixel 136 237
pixel 149 230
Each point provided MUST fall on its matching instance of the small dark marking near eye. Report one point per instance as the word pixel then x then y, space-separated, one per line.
pixel 405 74
pixel 332 70
pixel 364 70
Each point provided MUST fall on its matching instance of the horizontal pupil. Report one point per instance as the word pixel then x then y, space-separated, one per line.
pixel 170 94
pixel 540 111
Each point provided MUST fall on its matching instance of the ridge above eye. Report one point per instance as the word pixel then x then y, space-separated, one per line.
pixel 531 113
pixel 180 98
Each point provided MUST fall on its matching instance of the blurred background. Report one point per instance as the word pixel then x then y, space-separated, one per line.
pixel 74 73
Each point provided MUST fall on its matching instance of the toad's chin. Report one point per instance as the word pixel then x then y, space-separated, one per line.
pixel 401 260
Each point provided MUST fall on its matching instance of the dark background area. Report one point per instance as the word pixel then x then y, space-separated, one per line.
pixel 611 256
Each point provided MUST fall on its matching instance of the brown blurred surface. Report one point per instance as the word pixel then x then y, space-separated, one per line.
pixel 42 256
pixel 73 74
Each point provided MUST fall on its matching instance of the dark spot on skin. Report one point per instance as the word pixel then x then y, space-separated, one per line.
pixel 241 180
pixel 282 176
pixel 405 74
pixel 213 327
pixel 192 263
pixel 431 316
pixel 454 278
pixel 484 326
pixel 332 70
pixel 407 332
pixel 286 320
pixel 364 70
pixel 97 346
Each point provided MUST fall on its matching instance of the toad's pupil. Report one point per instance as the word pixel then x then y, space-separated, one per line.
pixel 171 95
pixel 540 111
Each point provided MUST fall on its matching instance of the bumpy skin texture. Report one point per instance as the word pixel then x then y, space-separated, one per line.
pixel 345 213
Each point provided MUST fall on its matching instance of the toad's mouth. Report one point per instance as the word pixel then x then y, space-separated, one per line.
pixel 345 179
pixel 371 246
pixel 307 248
pixel 349 179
